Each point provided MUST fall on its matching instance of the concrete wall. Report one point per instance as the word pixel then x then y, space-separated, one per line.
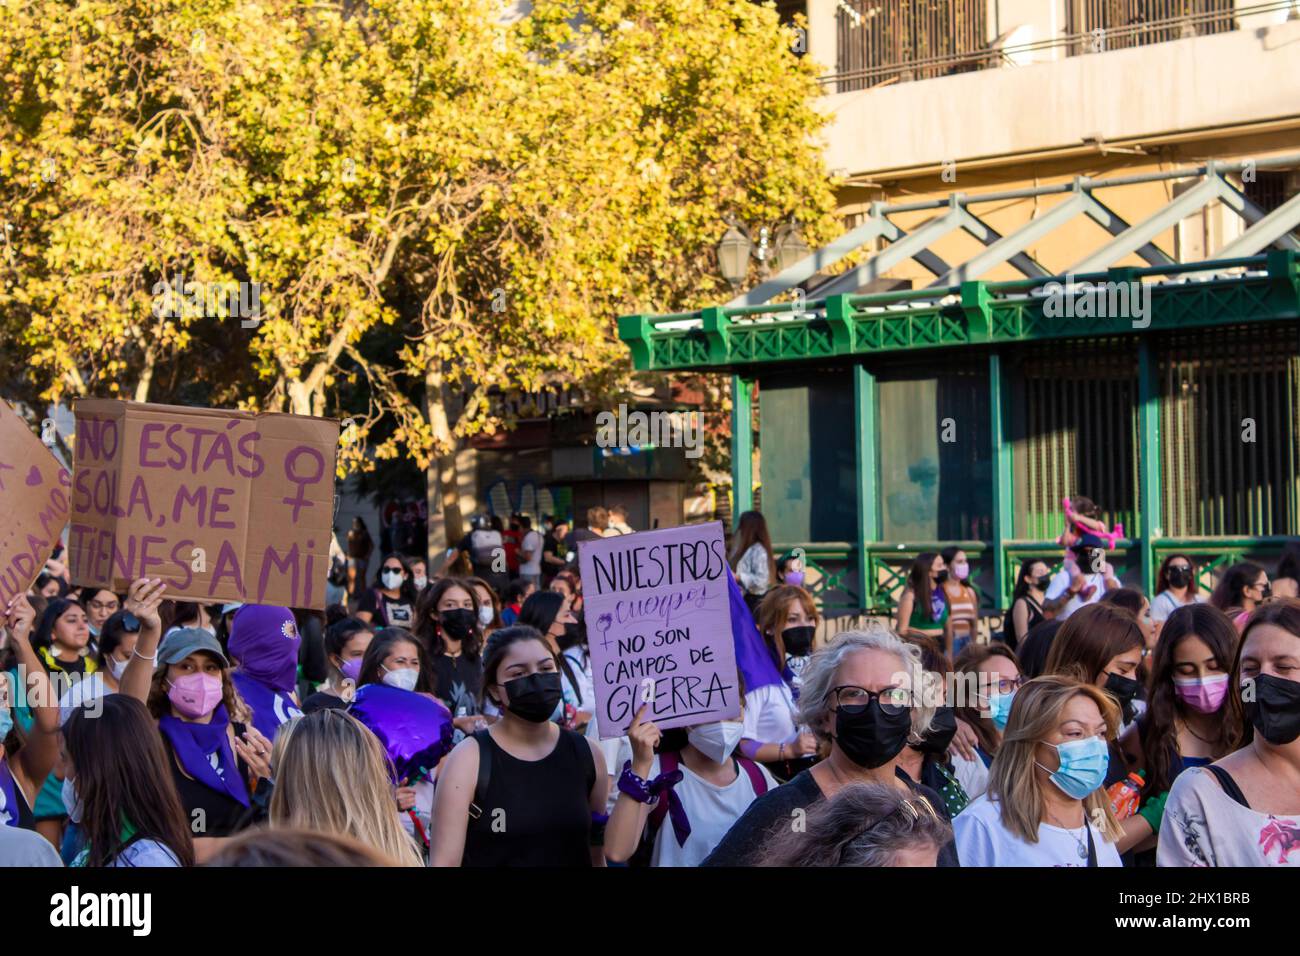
pixel 1228 80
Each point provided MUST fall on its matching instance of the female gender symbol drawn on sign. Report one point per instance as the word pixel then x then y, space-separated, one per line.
pixel 302 481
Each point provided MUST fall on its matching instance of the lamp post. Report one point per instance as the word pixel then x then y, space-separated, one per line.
pixel 736 247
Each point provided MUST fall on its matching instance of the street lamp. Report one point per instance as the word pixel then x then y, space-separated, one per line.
pixel 735 249
pixel 789 247
pixel 733 256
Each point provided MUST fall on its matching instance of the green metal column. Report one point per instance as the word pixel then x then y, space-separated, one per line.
pixel 864 410
pixel 1149 503
pixel 742 446
pixel 1003 480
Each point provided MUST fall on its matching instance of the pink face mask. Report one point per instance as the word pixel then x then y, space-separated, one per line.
pixel 195 694
pixel 1203 694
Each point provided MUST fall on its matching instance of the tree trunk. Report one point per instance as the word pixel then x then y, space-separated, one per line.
pixel 300 397
pixel 146 375
pixel 443 479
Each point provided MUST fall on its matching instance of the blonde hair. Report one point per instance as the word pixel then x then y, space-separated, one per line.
pixel 331 774
pixel 817 678
pixel 1013 782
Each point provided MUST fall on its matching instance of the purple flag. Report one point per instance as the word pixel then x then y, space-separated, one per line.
pixel 752 656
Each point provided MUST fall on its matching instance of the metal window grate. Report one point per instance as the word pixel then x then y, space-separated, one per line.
pixel 881 41
pixel 1134 23
pixel 1219 389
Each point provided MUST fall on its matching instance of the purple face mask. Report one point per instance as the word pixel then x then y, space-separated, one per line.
pixel 351 669
pixel 795 578
pixel 1202 693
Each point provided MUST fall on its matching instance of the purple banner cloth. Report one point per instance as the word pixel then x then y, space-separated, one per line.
pixel 752 656
pixel 414 729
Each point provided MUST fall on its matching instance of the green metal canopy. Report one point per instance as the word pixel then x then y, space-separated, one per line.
pixel 1255 283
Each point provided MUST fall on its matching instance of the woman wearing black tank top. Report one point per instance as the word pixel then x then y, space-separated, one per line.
pixel 523 792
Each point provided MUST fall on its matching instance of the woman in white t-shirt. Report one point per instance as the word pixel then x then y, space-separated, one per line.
pixel 129 819
pixel 1175 587
pixel 1244 810
pixel 787 620
pixel 1045 804
pixel 683 799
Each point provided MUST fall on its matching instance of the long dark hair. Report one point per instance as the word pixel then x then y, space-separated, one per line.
pixel 918 579
pixel 407 588
pixel 751 529
pixel 429 629
pixel 111 634
pixel 1162 578
pixel 539 612
pixel 43 635
pixel 384 640
pixel 1023 578
pixel 123 780
pixel 1158 727
pixel 1235 580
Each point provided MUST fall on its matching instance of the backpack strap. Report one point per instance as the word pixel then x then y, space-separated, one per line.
pixel 1228 784
pixel 484 773
pixel 755 775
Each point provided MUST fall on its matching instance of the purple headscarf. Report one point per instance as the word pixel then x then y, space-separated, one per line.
pixel 265 640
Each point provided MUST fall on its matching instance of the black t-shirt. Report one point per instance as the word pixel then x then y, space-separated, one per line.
pixel 1038 642
pixel 457 681
pixel 389 612
pixel 323 700
pixel 745 840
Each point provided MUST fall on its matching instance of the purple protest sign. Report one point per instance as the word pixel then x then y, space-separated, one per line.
pixel 659 627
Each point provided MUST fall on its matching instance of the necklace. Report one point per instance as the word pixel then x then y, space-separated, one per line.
pixel 1188 727
pixel 1082 845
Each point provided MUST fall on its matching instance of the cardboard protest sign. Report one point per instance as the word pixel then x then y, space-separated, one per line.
pixel 34 490
pixel 222 505
pixel 659 627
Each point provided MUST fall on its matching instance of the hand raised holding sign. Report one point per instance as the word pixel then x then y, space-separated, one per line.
pixel 142 600
pixel 644 738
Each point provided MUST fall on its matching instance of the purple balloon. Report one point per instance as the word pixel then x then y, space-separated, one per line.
pixel 415 730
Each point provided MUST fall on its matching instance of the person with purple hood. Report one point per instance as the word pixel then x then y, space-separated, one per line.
pixel 264 643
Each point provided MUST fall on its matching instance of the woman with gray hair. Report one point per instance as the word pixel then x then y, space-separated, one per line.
pixel 865 825
pixel 866 695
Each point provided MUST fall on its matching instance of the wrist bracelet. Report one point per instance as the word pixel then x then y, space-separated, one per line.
pixel 151 660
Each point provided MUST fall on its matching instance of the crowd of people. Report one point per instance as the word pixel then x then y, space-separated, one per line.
pixel 1098 726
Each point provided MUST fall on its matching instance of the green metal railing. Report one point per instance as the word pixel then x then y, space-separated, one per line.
pixel 973 313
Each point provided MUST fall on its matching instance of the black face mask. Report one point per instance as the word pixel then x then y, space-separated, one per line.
pixel 1275 711
pixel 458 623
pixel 942 729
pixel 1123 689
pixel 575 633
pixel 798 640
pixel 1265 593
pixel 941 577
pixel 1042 582
pixel 869 735
pixel 534 696
pixel 1179 577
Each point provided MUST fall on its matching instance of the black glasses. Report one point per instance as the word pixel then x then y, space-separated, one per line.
pixel 893 700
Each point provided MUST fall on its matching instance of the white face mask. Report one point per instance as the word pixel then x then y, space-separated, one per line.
pixel 392 579
pixel 403 678
pixel 117 668
pixel 717 740
pixel 70 801
pixel 420 582
pixel 485 614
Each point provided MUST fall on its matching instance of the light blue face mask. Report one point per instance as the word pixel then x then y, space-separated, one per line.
pixel 1000 709
pixel 1083 766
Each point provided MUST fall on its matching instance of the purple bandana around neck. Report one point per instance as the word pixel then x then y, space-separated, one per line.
pixel 264 640
pixel 8 796
pixel 194 743
pixel 270 707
